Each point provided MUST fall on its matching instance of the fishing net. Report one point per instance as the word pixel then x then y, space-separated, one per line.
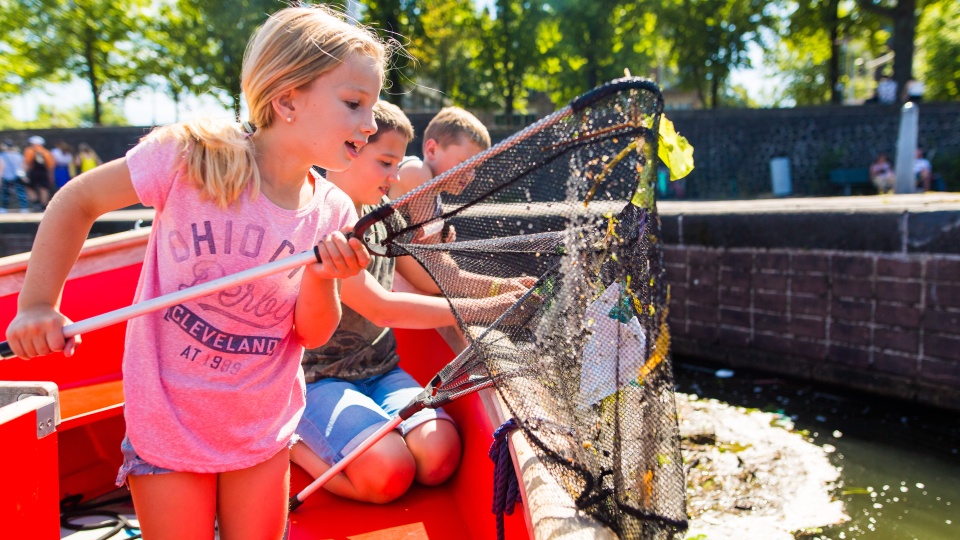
pixel 582 359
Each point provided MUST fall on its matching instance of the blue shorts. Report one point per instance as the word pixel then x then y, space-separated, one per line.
pixel 341 414
pixel 134 464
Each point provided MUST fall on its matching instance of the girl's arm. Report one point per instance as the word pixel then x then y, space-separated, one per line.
pixel 38 327
pixel 317 314
pixel 364 294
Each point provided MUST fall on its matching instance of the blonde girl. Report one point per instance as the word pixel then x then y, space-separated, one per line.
pixel 213 386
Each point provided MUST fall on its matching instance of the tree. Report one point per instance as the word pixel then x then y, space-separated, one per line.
pixel 710 38
pixel 447 50
pixel 939 42
pixel 902 15
pixel 820 21
pixel 817 42
pixel 224 34
pixel 60 40
pixel 511 51
pixel 585 43
pixel 173 40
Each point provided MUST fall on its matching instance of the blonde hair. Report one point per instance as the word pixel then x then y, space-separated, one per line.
pixel 389 118
pixel 290 50
pixel 452 124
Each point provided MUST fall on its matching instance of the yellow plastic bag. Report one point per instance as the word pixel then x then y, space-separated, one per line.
pixel 674 149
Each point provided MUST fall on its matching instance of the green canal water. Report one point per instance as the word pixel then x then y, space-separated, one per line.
pixel 900 463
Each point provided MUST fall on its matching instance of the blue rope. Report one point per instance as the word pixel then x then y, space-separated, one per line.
pixel 506 487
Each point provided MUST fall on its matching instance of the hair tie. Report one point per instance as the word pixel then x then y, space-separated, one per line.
pixel 248 128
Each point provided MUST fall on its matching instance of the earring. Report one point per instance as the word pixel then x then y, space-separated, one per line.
pixel 289 119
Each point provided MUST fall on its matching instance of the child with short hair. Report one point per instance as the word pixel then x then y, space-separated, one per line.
pixel 452 137
pixel 213 386
pixel 354 384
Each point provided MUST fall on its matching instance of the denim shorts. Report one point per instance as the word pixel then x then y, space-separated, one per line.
pixel 341 414
pixel 134 464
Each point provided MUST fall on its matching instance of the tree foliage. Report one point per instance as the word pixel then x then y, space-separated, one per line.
pixel 510 52
pixel 495 57
pixel 818 44
pixel 176 36
pixel 583 43
pixel 710 38
pixel 224 34
pixel 446 51
pixel 902 16
pixel 62 40
pixel 939 33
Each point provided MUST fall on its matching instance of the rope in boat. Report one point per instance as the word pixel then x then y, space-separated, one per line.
pixel 506 487
pixel 71 509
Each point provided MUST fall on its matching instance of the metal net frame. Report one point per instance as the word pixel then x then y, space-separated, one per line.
pixel 582 359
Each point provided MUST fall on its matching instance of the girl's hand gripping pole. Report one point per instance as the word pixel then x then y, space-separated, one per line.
pixel 201 289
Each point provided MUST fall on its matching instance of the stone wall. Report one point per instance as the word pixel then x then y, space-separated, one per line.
pixel 733 147
pixel 113 142
pixel 109 142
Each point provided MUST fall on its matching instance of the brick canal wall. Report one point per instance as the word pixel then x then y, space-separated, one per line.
pixel 883 317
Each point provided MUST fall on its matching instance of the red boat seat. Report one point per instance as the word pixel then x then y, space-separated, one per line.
pixel 77 404
pixel 90 433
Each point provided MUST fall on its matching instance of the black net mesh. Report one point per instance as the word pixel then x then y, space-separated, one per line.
pixel 582 359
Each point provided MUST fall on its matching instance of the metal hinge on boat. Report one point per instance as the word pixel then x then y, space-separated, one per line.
pixel 48 414
pixel 46 419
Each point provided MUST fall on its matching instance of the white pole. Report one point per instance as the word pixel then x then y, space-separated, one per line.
pixel 183 295
pixel 298 499
pixel 907 148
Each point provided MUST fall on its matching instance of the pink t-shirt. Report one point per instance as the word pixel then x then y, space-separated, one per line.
pixel 215 384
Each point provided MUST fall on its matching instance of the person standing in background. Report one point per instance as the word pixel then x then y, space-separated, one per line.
pixel 922 170
pixel 914 91
pixel 62 164
pixel 86 158
pixel 38 164
pixel 11 171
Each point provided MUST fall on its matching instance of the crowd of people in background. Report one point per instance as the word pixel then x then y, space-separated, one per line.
pixel 37 172
pixel 885 92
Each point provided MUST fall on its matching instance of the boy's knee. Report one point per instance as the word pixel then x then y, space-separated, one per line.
pixel 385 474
pixel 386 482
pixel 436 450
pixel 437 471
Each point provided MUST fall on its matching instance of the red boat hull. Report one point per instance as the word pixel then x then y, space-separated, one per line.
pixel 87 441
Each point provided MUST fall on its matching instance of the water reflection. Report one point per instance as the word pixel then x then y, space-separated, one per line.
pixel 900 462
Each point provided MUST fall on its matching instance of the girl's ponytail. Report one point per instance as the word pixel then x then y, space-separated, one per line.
pixel 290 50
pixel 219 158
